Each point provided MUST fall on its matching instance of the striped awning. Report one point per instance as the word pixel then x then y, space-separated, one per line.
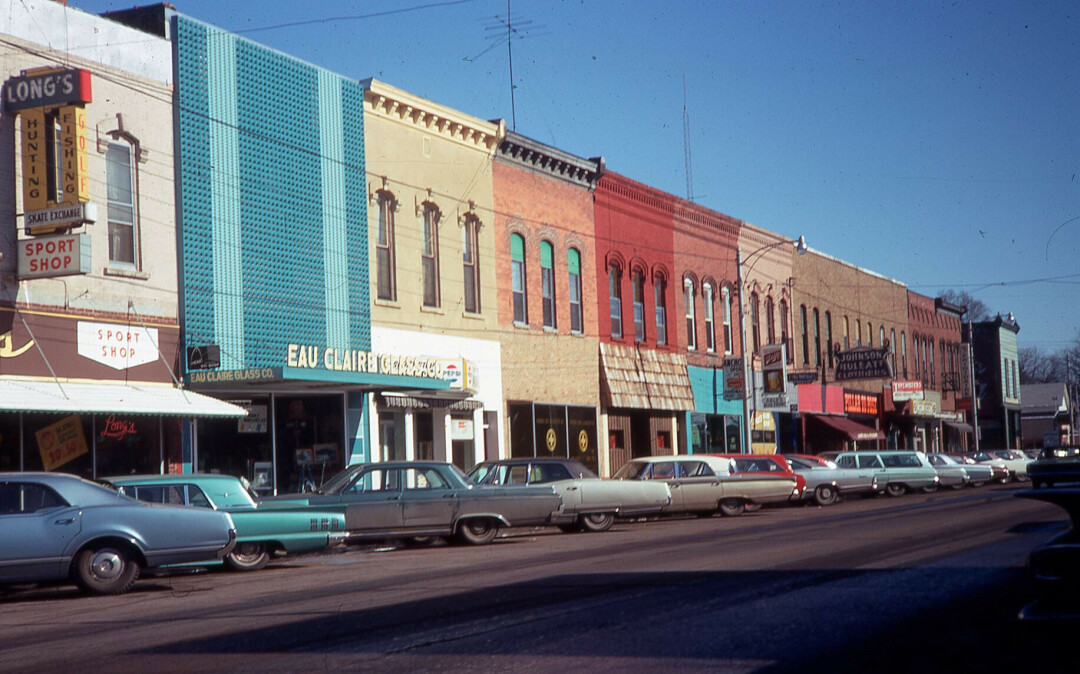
pixel 29 395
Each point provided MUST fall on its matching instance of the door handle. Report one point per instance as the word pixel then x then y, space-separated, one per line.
pixel 70 520
pixel 448 496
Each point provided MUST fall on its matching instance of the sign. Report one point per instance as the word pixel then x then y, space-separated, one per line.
pixel 863 362
pixel 117 346
pixel 250 374
pixel 74 167
pixel 314 357
pixel 61 442
pixel 205 357
pixel 44 87
pixel 55 217
pixel 35 160
pixel 257 419
pixel 965 370
pixel 461 429
pixel 907 390
pixel 734 378
pixel 773 369
pixel 924 408
pixel 775 401
pixel 117 428
pixel 802 377
pixel 460 373
pixel 860 403
pixel 51 256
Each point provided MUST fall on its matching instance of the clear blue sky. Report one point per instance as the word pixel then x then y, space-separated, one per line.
pixel 932 142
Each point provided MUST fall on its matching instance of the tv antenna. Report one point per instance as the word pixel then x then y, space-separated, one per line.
pixel 686 145
pixel 509 28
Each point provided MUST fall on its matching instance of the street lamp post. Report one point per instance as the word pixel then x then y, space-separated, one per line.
pixel 748 371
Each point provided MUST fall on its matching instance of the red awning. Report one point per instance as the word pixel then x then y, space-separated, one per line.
pixel 854 431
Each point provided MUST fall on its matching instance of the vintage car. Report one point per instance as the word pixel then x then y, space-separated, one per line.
pixel 57 527
pixel 1054 566
pixel 999 472
pixel 702 484
pixel 1013 460
pixel 589 503
pixel 826 482
pixel 260 532
pixel 950 473
pixel 766 464
pixel 898 470
pixel 1055 466
pixel 417 500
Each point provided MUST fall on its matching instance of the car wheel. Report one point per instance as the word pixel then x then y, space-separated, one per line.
pixel 732 507
pixel 825 494
pixel 597 522
pixel 478 531
pixel 247 557
pixel 929 489
pixel 977 484
pixel 752 507
pixel 895 489
pixel 105 570
pixel 958 486
pixel 421 541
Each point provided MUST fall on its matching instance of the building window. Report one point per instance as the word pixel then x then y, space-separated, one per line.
pixel 120 180
pixel 847 337
pixel 517 270
pixel 547 282
pixel 770 324
pixel 915 351
pixel 385 263
pixel 637 280
pixel 869 334
pixel 930 358
pixel 660 302
pixel 429 255
pixel 784 331
pixel 573 264
pixel 828 338
pixel 615 300
pixel 903 352
pixel 858 332
pixel 817 337
pixel 691 327
pixel 805 335
pixel 755 322
pixel 881 335
pixel 470 246
pixel 707 305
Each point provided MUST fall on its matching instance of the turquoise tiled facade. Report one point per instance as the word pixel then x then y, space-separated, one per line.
pixel 273 205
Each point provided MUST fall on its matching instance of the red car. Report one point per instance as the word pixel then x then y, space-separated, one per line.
pixel 767 464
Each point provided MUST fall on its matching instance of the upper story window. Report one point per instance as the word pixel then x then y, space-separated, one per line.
pixel 691 319
pixel 755 322
pixel 847 336
pixel 429 255
pixel 470 263
pixel 915 351
pixel 903 352
pixel 858 332
pixel 930 357
pixel 615 299
pixel 770 322
pixel 784 331
pixel 517 279
pixel 707 305
pixel 881 335
pixel 123 214
pixel 637 281
pixel 828 338
pixel 547 282
pixel 805 335
pixel 385 260
pixel 817 337
pixel 660 304
pixel 725 302
pixel 573 266
pixel 869 334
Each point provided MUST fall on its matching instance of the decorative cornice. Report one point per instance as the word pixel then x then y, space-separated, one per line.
pixel 400 106
pixel 528 153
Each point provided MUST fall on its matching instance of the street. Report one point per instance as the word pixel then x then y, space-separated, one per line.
pixel 928 582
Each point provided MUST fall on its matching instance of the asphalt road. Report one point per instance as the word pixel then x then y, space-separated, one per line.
pixel 920 583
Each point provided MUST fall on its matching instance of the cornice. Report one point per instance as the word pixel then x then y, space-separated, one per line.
pixel 400 106
pixel 639 193
pixel 528 153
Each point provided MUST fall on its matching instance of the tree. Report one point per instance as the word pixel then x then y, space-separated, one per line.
pixel 976 308
pixel 1037 367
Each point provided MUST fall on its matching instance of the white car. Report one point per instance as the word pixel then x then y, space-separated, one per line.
pixel 1012 459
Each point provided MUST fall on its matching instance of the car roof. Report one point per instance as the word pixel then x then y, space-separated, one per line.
pixel 172 478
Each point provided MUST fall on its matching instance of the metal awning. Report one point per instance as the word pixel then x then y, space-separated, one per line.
pixel 960 426
pixel 640 378
pixel 28 395
pixel 852 429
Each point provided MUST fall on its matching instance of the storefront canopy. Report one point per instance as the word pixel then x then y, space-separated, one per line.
pixel 18 395
pixel 644 379
pixel 960 426
pixel 854 430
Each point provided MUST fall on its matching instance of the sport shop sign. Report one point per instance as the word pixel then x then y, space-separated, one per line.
pixel 117 346
pixel 863 362
pixel 49 256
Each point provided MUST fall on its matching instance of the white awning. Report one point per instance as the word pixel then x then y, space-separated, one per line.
pixel 23 395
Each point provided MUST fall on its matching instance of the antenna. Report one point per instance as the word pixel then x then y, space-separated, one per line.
pixel 509 28
pixel 686 145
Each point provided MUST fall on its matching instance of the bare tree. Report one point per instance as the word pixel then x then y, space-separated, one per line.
pixel 1037 367
pixel 976 308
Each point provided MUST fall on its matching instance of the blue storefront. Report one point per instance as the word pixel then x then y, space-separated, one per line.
pixel 715 424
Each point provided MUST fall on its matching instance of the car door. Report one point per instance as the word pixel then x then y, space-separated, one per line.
pixel 36 526
pixel 372 500
pixel 429 502
pixel 698 486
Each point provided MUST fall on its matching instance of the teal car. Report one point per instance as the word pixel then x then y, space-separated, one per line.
pixel 260 532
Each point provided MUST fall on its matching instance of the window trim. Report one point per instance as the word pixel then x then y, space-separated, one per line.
pixel 547 285
pixel 691 315
pixel 615 311
pixel 387 207
pixel 707 306
pixel 131 148
pixel 519 277
pixel 429 255
pixel 574 286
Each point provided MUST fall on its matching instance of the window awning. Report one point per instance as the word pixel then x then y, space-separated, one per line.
pixel 852 429
pixel 960 426
pixel 644 379
pixel 19 395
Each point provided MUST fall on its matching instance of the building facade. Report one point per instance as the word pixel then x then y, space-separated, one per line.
pixel 997 381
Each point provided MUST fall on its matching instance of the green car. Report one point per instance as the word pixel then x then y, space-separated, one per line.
pixel 260 533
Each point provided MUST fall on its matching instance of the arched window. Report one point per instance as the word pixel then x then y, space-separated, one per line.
pixel 429 255
pixel 817 337
pixel 707 306
pixel 828 338
pixel 637 281
pixel 385 260
pixel 470 247
pixel 805 335
pixel 615 299
pixel 660 304
pixel 517 272
pixel 847 334
pixel 573 265
pixel 755 322
pixel 691 320
pixel 770 321
pixel 547 283
pixel 784 331
pixel 903 352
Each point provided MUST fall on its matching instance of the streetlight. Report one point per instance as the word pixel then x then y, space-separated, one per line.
pixel 748 372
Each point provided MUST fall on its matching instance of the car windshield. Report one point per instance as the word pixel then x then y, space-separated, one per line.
pixel 631 471
pixel 480 471
pixel 338 482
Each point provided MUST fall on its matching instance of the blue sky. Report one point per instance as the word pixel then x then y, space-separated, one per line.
pixel 932 142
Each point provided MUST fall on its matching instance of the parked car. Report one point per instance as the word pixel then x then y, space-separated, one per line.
pixel 421 499
pixel 950 473
pixel 999 472
pixel 589 503
pixel 260 532
pixel 1013 460
pixel 704 484
pixel 826 482
pixel 899 470
pixel 976 474
pixel 57 527
pixel 766 464
pixel 1055 466
pixel 1054 566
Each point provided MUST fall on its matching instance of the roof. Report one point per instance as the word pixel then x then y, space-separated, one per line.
pixel 1047 398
